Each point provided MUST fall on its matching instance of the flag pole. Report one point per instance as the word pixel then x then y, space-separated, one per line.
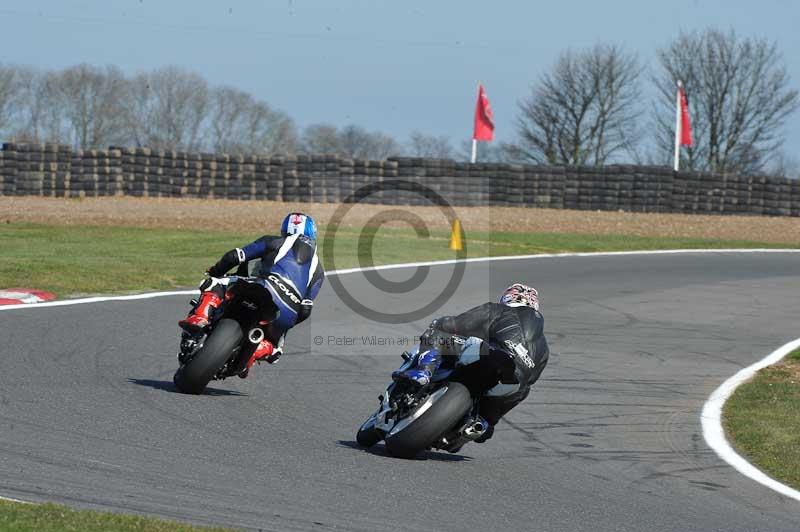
pixel 677 127
pixel 474 140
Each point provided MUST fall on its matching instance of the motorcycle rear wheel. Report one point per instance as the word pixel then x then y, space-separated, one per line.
pixel 441 417
pixel 194 376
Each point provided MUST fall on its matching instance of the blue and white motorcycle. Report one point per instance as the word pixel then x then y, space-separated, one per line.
pixel 442 416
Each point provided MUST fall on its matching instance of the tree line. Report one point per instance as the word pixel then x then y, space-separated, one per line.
pixel 172 108
pixel 587 108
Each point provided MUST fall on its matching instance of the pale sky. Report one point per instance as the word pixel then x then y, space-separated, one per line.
pixel 389 66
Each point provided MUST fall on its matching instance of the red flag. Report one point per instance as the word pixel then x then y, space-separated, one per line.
pixel 484 123
pixel 686 123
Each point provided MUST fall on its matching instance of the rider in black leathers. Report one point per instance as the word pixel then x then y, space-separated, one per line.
pixel 516 325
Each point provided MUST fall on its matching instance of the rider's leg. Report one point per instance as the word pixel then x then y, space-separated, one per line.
pixel 278 350
pixel 495 404
pixel 211 297
pixel 271 348
pixel 493 407
pixel 262 351
pixel 499 400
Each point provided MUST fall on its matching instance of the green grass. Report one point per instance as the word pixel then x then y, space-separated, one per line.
pixel 762 419
pixel 18 517
pixel 78 260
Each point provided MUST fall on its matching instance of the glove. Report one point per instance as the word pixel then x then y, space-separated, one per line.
pixel 212 271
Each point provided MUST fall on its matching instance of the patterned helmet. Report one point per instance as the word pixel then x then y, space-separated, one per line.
pixel 299 223
pixel 518 295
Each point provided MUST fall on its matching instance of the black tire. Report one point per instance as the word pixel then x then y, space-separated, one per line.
pixel 368 435
pixel 194 376
pixel 442 416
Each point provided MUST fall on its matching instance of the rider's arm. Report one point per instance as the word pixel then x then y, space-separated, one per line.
pixel 307 305
pixel 474 322
pixel 234 257
pixel 272 244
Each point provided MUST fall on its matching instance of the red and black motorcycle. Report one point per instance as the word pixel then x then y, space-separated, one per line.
pixel 224 347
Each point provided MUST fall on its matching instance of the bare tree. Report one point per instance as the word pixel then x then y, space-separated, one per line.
pixel 40 117
pixel 422 145
pixel 240 124
pixel 321 138
pixel 9 95
pixel 488 152
pixel 583 111
pixel 229 108
pixel 784 165
pixel 382 146
pixel 739 99
pixel 271 131
pixel 89 102
pixel 356 142
pixel 167 109
pixel 351 141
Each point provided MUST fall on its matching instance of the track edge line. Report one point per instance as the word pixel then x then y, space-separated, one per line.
pixel 10 499
pixel 148 295
pixel 714 434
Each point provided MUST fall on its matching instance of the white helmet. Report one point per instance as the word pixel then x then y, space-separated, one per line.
pixel 519 295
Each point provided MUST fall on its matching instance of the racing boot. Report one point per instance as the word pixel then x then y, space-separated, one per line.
pixel 486 435
pixel 198 319
pixel 263 351
pixel 277 351
pixel 419 376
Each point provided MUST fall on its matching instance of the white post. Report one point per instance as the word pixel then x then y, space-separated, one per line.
pixel 474 150
pixel 677 126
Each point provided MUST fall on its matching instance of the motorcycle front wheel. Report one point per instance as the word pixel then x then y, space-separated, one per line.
pixel 368 435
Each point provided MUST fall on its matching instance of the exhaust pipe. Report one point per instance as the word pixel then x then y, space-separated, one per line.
pixel 475 429
pixel 255 335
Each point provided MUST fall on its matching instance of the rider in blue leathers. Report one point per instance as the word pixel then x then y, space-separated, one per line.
pixel 294 276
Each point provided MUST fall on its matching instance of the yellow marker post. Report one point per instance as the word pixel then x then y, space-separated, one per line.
pixel 457 237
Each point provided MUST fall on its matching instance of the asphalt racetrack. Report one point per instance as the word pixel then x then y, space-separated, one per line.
pixel 610 438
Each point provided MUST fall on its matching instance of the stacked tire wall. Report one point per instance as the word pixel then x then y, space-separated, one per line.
pixel 59 171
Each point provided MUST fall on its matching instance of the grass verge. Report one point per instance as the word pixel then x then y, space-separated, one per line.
pixel 762 420
pixel 19 517
pixel 78 260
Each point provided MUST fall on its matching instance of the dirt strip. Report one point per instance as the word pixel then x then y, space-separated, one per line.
pixel 258 216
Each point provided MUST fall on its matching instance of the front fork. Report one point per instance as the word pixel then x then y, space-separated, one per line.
pixel 189 345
